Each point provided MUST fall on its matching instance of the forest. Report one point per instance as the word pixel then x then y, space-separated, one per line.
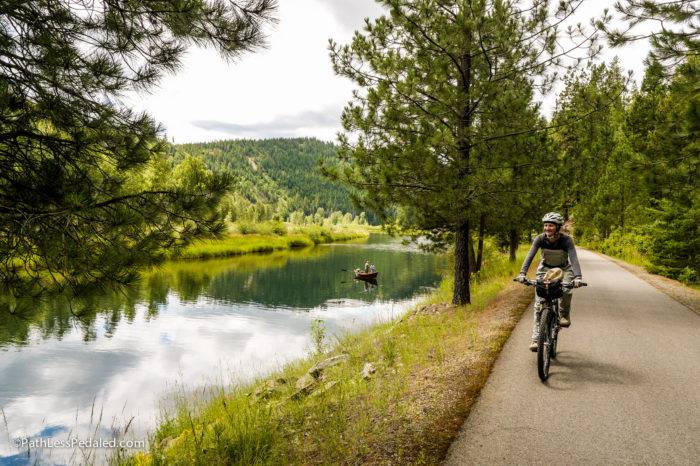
pixel 275 179
pixel 629 172
pixel 445 136
pixel 450 134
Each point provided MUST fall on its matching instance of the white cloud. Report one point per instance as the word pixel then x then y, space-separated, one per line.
pixel 351 14
pixel 280 126
pixel 288 89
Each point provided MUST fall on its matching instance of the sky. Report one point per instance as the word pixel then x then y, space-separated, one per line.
pixel 289 88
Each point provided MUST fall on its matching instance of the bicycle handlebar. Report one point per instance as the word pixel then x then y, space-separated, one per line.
pixel 529 282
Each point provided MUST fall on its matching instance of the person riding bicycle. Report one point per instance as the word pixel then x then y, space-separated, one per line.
pixel 557 251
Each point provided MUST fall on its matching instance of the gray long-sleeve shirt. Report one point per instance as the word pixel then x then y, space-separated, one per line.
pixel 564 243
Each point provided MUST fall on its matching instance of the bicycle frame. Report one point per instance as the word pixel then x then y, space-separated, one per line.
pixel 549 323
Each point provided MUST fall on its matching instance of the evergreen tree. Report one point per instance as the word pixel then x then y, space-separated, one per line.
pixel 593 99
pixel 430 72
pixel 671 26
pixel 84 193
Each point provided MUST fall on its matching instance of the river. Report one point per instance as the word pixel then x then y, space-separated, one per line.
pixel 81 370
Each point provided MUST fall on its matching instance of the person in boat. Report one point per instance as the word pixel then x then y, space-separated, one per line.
pixel 558 250
pixel 372 269
pixel 367 267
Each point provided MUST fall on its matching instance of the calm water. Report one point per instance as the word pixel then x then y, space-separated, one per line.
pixel 83 369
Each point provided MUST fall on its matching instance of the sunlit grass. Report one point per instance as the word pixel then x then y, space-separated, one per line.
pixel 344 422
pixel 294 237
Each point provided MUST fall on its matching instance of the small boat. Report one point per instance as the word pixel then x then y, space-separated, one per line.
pixel 365 275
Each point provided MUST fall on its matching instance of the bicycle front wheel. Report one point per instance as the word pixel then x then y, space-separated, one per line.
pixel 544 343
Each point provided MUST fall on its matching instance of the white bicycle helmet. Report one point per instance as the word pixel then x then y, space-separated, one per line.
pixel 553 217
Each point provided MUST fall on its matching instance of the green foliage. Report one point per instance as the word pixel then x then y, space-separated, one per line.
pixel 274 177
pixel 634 165
pixel 85 194
pixel 443 120
pixel 267 237
pixel 318 335
pixel 671 27
pixel 675 241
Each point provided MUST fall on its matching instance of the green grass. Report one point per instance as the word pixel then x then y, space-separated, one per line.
pixel 621 250
pixel 354 419
pixel 256 240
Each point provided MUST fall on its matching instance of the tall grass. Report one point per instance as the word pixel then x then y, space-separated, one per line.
pixel 267 237
pixel 348 418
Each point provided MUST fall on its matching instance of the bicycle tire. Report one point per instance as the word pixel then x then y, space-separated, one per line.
pixel 543 345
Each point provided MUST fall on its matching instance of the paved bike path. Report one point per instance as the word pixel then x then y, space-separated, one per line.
pixel 624 389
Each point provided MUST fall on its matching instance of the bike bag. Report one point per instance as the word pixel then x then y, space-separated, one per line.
pixel 550 292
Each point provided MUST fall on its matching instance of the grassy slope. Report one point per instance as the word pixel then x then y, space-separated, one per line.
pixel 237 244
pixel 430 365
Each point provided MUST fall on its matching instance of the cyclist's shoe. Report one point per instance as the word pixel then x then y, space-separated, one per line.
pixel 564 321
pixel 533 346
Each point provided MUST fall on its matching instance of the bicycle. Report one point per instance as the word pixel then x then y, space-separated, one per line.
pixel 551 292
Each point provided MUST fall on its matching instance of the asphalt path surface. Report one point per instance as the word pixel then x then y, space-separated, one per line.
pixel 624 388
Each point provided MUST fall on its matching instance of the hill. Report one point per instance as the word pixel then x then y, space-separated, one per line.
pixel 274 177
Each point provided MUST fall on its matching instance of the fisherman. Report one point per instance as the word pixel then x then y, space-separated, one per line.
pixel 372 269
pixel 367 267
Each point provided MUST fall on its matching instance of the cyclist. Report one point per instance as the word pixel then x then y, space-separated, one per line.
pixel 557 251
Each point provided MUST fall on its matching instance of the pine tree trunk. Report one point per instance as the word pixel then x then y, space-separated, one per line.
pixel 480 247
pixel 462 265
pixel 513 244
pixel 472 256
pixel 461 292
pixel 622 210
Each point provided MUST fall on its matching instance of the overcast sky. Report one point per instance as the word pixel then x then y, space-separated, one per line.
pixel 288 89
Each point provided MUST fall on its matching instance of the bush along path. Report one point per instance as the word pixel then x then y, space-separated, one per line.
pixel 397 392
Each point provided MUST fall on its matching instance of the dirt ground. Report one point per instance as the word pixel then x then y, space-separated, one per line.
pixel 440 396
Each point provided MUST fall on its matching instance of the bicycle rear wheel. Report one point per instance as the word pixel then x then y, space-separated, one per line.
pixel 544 344
pixel 555 334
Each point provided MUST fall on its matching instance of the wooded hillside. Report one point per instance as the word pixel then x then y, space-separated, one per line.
pixel 274 177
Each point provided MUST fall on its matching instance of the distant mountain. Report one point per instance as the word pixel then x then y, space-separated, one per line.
pixel 276 172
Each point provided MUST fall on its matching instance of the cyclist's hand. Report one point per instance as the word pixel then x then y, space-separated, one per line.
pixel 577 282
pixel 522 278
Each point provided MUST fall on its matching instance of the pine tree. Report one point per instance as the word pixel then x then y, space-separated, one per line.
pixel 85 192
pixel 671 27
pixel 430 73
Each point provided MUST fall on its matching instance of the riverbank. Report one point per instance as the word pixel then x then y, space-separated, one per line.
pixel 397 392
pixel 268 239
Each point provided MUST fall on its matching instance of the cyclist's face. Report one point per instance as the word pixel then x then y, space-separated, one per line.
pixel 550 229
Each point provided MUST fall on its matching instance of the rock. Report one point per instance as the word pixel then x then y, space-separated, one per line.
pixel 166 443
pixel 433 309
pixel 305 381
pixel 327 386
pixel 368 370
pixel 305 385
pixel 319 367
pixel 269 388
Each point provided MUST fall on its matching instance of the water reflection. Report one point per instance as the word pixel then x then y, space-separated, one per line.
pixel 190 323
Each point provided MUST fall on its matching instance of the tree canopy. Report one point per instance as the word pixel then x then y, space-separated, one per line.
pixel 85 194
pixel 671 27
pixel 444 85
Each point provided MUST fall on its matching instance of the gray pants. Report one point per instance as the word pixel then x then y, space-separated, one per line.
pixel 564 302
